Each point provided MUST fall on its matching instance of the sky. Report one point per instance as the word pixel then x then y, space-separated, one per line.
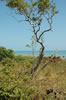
pixel 16 35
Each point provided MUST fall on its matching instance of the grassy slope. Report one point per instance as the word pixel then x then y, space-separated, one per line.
pixel 16 83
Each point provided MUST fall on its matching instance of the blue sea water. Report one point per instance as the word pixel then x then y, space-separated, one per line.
pixel 60 53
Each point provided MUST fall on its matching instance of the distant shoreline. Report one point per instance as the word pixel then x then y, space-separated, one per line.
pixel 61 53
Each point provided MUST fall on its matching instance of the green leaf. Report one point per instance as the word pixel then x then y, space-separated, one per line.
pixel 56 12
pixel 28 45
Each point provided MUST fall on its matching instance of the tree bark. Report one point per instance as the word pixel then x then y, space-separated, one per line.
pixel 40 57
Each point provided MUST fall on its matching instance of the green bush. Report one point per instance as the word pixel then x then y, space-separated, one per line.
pixel 8 62
pixel 4 53
pixel 19 58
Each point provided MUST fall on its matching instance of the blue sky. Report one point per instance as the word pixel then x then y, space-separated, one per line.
pixel 16 35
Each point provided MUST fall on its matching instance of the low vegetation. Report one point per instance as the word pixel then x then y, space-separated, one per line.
pixel 16 81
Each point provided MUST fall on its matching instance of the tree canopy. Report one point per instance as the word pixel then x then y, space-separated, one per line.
pixel 32 9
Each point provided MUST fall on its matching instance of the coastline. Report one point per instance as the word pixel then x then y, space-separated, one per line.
pixel 47 53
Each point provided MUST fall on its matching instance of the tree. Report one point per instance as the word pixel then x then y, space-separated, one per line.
pixel 35 12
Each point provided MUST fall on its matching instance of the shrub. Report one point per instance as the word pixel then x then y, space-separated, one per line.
pixel 9 62
pixel 4 53
pixel 19 58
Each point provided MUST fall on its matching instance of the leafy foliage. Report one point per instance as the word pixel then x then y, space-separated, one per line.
pixel 16 82
pixel 43 4
pixel 32 9
pixel 6 53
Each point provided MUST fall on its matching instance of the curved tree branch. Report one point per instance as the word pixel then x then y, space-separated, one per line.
pixel 41 53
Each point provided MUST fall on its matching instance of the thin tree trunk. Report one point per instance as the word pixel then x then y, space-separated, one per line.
pixel 40 58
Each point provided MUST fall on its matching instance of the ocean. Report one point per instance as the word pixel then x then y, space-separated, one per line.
pixel 60 53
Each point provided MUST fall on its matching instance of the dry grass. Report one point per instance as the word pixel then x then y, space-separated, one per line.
pixel 52 77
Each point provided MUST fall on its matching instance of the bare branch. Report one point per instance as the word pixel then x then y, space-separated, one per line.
pixel 38 30
pixel 49 19
pixel 44 32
